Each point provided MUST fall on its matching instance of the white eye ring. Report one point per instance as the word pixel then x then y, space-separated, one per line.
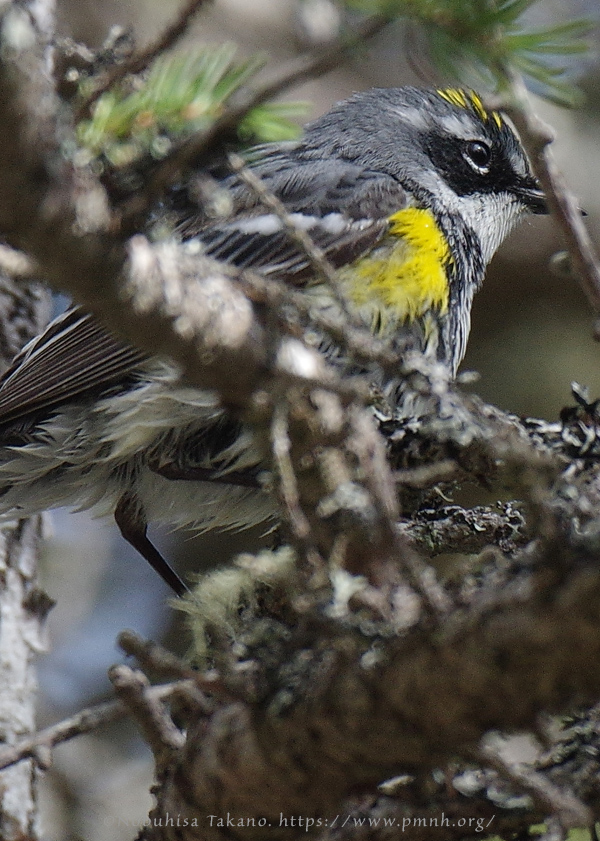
pixel 478 155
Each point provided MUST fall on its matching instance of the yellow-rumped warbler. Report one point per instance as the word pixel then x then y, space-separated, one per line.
pixel 408 192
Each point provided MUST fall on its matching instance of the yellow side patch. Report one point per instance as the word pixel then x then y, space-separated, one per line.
pixel 406 276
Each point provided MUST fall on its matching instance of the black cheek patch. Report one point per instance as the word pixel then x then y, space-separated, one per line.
pixel 447 156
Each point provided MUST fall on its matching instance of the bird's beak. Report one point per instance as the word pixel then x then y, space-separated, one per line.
pixel 530 194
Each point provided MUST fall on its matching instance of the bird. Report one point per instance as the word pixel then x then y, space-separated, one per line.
pixel 407 191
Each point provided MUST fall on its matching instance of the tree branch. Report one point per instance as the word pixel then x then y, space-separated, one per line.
pixel 536 137
pixel 140 60
pixel 202 146
pixel 329 688
pixel 38 745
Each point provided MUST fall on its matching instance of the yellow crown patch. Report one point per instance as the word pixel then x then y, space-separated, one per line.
pixel 471 101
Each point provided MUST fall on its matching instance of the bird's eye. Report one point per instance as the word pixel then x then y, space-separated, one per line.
pixel 478 155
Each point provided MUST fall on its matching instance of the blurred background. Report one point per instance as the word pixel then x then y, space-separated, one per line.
pixel 531 336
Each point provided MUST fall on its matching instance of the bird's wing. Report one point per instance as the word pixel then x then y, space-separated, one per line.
pixel 344 209
pixel 73 355
pixel 262 243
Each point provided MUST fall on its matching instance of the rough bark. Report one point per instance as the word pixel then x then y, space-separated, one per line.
pixel 24 310
pixel 22 612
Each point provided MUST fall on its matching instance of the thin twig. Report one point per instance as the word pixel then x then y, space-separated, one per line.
pixel 139 61
pixel 132 687
pixel 428 475
pixel 352 333
pixel 281 446
pixel 558 802
pixel 154 658
pixel 315 255
pixel 536 137
pixel 190 151
pixel 83 722
pixel 360 344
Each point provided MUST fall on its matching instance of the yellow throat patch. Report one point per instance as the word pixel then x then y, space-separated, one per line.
pixel 405 276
